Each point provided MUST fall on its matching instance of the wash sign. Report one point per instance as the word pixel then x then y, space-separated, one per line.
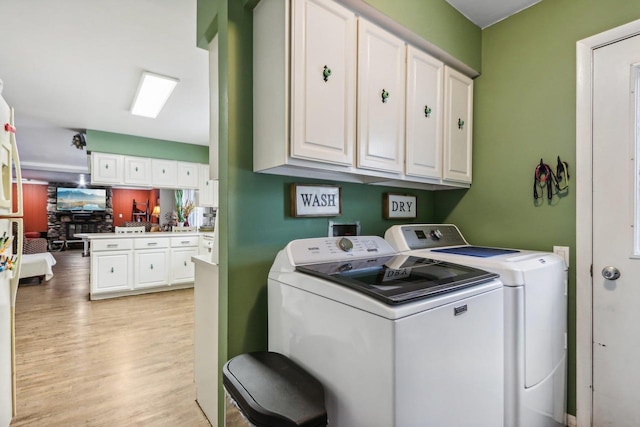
pixel 315 200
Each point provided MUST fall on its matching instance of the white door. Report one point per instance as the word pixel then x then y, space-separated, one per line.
pixel 458 115
pixel 6 332
pixel 424 115
pixel 616 234
pixel 381 99
pixel 323 82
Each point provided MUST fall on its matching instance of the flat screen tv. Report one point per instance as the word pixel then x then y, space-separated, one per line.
pixel 81 199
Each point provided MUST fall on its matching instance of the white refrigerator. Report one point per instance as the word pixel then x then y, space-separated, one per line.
pixel 9 262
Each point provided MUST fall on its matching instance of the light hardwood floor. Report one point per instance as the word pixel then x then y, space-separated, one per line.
pixel 118 362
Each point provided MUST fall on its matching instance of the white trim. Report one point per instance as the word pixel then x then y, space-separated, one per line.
pixel 584 213
pixel 571 420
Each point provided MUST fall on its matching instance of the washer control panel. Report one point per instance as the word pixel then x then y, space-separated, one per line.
pixel 424 236
pixel 327 249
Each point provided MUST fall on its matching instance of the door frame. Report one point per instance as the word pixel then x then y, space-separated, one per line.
pixel 584 213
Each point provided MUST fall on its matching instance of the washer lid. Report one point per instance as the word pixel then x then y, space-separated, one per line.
pixel 399 279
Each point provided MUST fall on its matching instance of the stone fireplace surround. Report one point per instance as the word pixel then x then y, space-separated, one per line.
pixel 62 225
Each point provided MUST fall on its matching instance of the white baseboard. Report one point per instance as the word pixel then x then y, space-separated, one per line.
pixel 571 420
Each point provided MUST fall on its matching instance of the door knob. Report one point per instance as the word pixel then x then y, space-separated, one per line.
pixel 610 273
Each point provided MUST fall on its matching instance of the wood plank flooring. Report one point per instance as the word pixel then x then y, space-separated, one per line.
pixel 119 362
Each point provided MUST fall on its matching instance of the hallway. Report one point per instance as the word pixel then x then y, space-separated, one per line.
pixel 119 362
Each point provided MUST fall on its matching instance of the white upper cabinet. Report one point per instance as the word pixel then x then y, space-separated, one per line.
pixel 424 115
pixel 381 99
pixel 337 97
pixel 106 168
pixel 137 170
pixel 164 173
pixel 323 82
pixel 458 118
pixel 188 175
pixel 207 189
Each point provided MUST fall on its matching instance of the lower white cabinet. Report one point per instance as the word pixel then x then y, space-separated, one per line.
pixel 151 268
pixel 182 269
pixel 182 249
pixel 111 272
pixel 133 265
pixel 111 266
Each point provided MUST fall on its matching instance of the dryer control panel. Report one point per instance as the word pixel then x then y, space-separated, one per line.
pixel 424 236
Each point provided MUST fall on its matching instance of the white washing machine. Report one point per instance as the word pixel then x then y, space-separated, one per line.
pixel 396 340
pixel 535 315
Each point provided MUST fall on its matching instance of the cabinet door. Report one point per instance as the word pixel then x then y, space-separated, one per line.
pixel 188 175
pixel 381 99
pixel 424 115
pixel 182 268
pixel 151 268
pixel 458 118
pixel 111 272
pixel 164 173
pixel 137 170
pixel 106 168
pixel 323 82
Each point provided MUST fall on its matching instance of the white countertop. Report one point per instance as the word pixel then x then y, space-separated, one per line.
pixel 96 236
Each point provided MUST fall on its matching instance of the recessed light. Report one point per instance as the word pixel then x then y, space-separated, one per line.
pixel 153 92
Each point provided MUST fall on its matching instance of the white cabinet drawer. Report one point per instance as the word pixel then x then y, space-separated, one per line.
pixel 178 242
pixel 111 244
pixel 151 243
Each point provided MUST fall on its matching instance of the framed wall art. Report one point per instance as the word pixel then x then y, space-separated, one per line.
pixel 400 206
pixel 312 200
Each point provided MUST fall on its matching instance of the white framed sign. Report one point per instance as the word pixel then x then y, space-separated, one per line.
pixel 400 206
pixel 315 200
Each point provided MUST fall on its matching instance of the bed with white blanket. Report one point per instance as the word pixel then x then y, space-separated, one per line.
pixel 37 265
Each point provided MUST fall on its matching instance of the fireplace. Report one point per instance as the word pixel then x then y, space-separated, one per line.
pixel 80 227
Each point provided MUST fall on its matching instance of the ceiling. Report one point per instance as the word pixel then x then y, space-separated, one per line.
pixel 72 65
pixel 485 13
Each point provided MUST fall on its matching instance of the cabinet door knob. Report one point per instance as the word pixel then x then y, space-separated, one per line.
pixel 136 169
pixel 112 269
pixel 185 263
pixel 162 170
pixel 427 111
pixel 460 124
pixel 326 73
pixel 385 95
pixel 152 266
pixel 106 166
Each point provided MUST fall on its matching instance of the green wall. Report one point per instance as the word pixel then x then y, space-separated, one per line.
pixel 525 110
pixel 253 218
pixel 439 23
pixel 107 142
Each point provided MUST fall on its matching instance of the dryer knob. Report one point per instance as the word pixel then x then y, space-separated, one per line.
pixel 436 234
pixel 345 244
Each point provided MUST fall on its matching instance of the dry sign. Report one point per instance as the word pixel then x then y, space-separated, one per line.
pixel 315 200
pixel 400 206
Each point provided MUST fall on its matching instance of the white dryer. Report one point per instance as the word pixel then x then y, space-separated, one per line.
pixel 535 315
pixel 396 340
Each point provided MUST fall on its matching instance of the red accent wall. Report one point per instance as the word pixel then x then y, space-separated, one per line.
pixel 34 204
pixel 123 202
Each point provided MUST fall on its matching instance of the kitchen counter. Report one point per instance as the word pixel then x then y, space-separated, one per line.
pixel 88 237
pixel 206 297
pixel 135 263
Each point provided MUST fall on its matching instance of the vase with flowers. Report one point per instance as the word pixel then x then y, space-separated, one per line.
pixel 183 210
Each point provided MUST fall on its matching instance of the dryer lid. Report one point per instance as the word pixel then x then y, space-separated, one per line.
pixel 477 251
